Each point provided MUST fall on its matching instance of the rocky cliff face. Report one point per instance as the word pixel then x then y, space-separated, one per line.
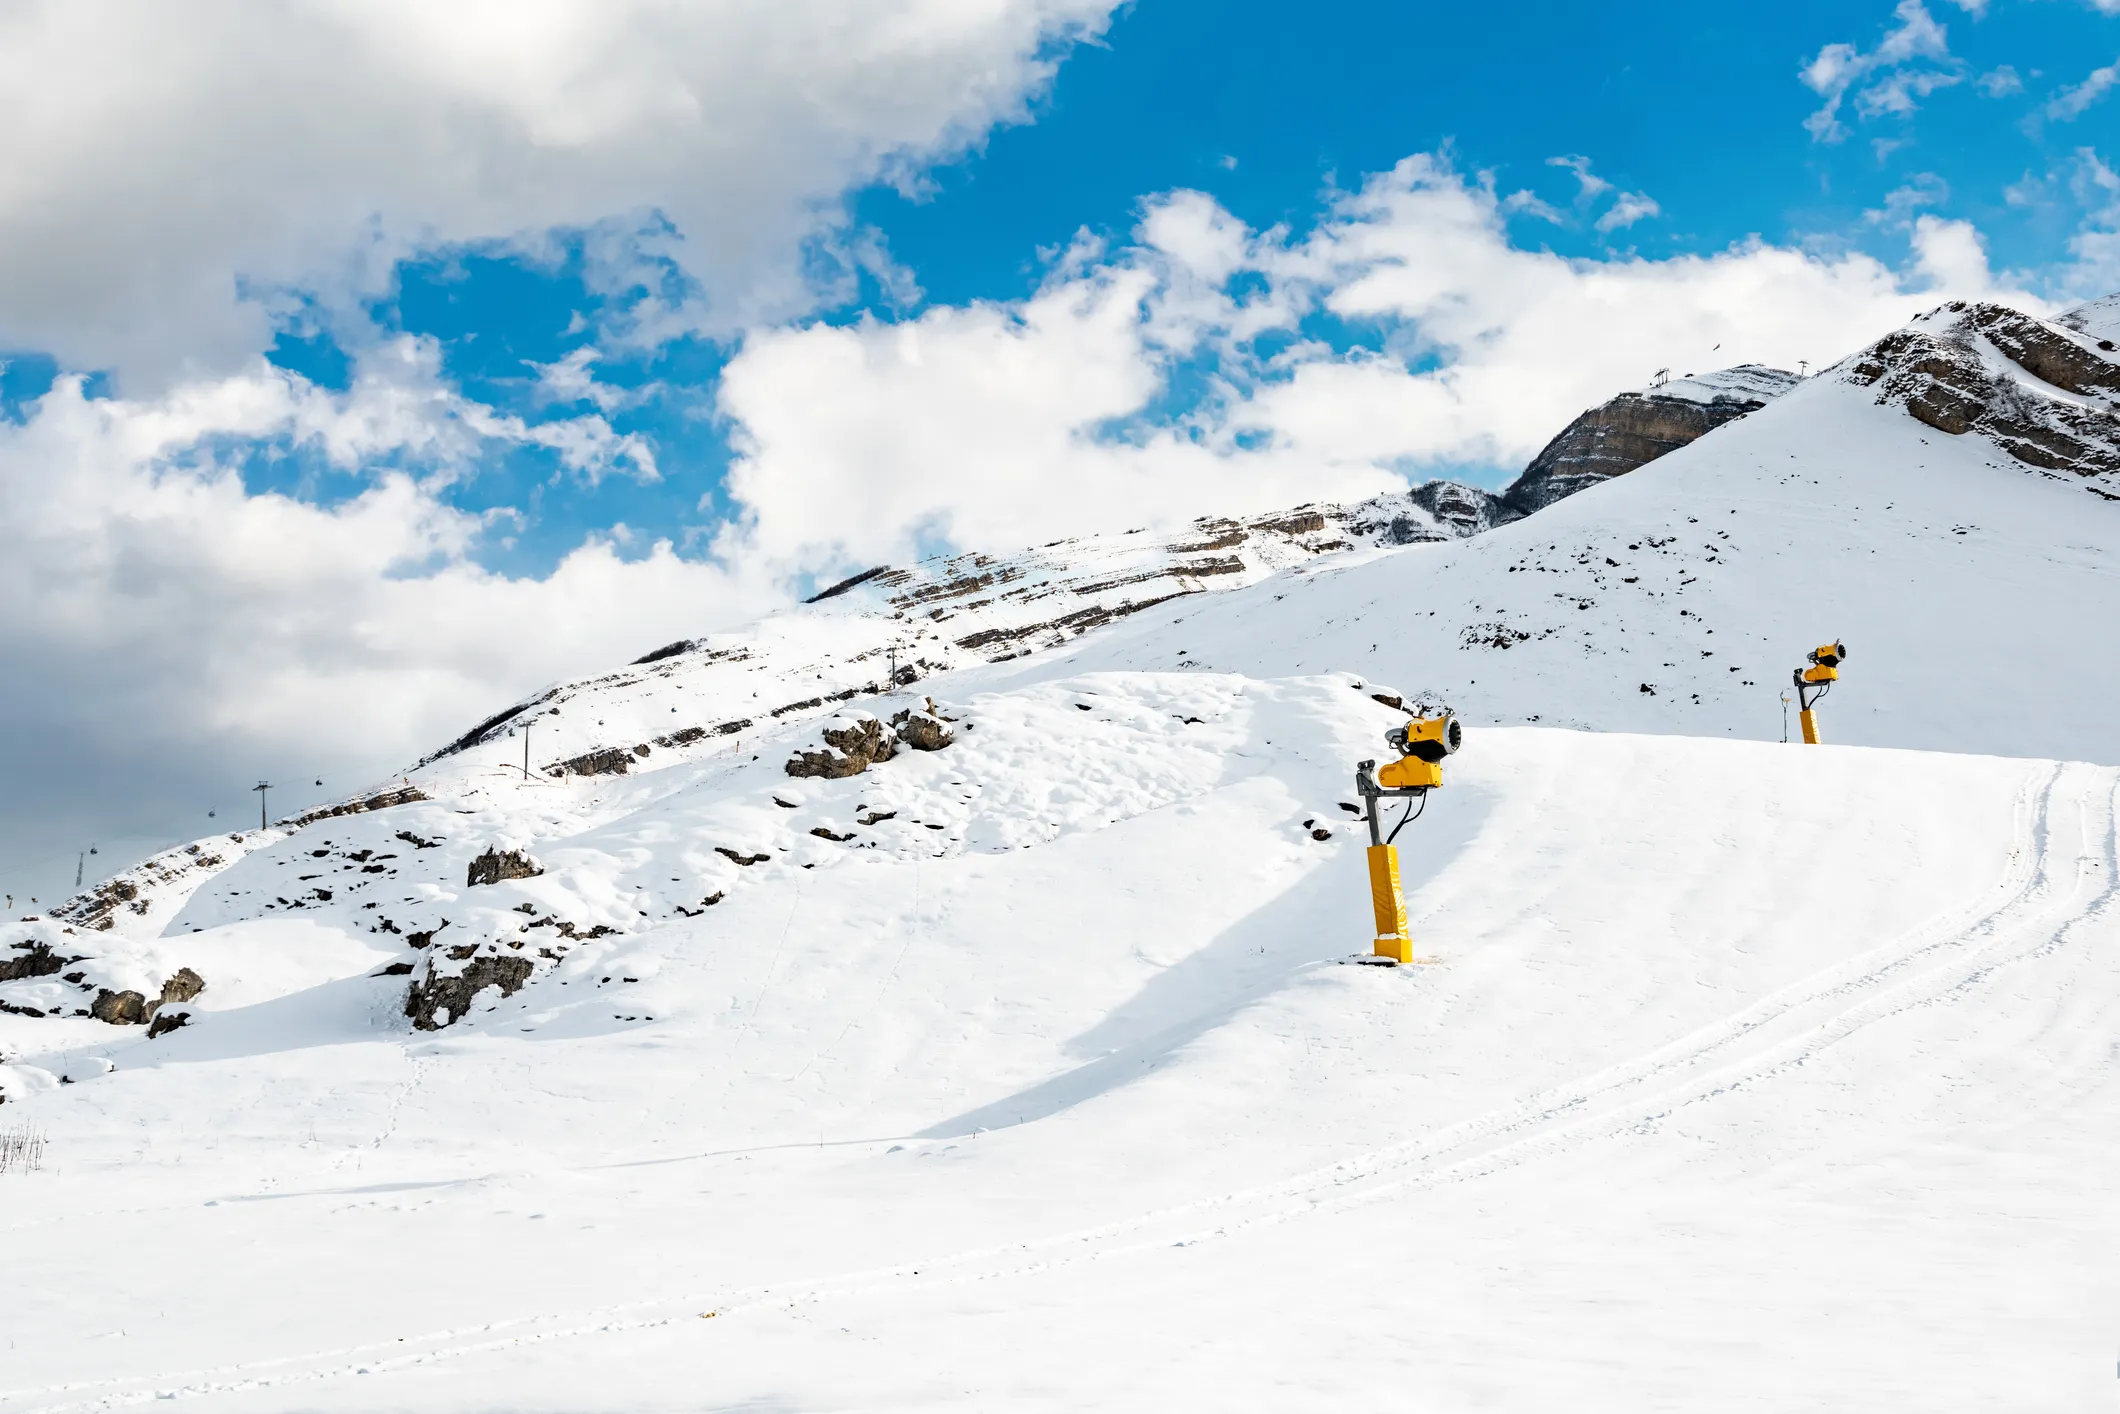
pixel 2046 394
pixel 1638 427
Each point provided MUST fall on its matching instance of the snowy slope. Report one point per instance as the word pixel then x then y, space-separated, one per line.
pixel 1025 1072
pixel 1728 1045
pixel 1977 601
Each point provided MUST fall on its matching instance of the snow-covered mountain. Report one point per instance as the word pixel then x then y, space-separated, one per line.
pixel 1015 1068
pixel 1637 427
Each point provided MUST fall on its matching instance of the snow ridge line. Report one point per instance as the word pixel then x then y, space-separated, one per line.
pixel 1555 1118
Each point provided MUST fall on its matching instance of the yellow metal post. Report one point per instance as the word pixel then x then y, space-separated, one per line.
pixel 1394 939
pixel 1810 726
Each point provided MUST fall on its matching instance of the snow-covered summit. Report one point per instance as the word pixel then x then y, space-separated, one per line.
pixel 2099 319
pixel 1635 428
pixel 1747 383
pixel 2045 394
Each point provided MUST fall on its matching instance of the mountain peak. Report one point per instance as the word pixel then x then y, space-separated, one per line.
pixel 1637 427
pixel 2046 394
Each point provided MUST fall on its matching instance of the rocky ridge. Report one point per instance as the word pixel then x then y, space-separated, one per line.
pixel 2046 394
pixel 1636 428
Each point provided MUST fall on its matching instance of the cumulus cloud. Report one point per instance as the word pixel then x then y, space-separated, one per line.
pixel 174 169
pixel 169 632
pixel 997 424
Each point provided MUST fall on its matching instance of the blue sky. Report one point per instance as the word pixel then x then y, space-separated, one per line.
pixel 363 368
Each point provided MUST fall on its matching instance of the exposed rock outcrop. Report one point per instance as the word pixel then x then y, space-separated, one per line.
pixel 853 743
pixel 1636 428
pixel 604 761
pixel 382 800
pixel 180 988
pixel 30 960
pixel 923 729
pixel 119 1008
pixel 2047 395
pixel 497 864
pixel 437 999
pixel 133 1008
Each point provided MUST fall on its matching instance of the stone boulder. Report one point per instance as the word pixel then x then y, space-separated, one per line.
pixel 853 742
pixel 180 988
pixel 497 864
pixel 34 959
pixel 923 730
pixel 119 1008
pixel 436 1000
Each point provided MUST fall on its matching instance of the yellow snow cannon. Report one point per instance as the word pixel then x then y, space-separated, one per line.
pixel 1422 743
pixel 1815 682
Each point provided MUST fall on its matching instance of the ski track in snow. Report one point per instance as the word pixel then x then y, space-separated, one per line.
pixel 2064 872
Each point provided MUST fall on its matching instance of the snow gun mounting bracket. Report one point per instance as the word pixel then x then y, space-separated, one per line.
pixel 1422 743
pixel 1815 682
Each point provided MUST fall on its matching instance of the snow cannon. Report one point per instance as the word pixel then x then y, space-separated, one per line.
pixel 1815 682
pixel 1422 743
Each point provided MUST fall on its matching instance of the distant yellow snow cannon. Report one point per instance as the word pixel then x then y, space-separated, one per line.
pixel 1815 682
pixel 1422 743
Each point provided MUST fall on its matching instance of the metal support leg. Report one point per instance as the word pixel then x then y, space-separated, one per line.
pixel 1394 939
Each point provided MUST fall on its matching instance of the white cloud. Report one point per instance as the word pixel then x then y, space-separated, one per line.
pixel 1912 61
pixel 2071 103
pixel 166 158
pixel 1627 208
pixel 1590 186
pixel 1009 424
pixel 1999 82
pixel 2096 243
pixel 1923 189
pixel 168 632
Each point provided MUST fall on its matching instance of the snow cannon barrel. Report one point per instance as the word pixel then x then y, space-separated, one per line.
pixel 1422 744
pixel 1829 655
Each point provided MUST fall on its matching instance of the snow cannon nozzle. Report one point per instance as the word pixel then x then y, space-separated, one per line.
pixel 1427 739
pixel 1828 655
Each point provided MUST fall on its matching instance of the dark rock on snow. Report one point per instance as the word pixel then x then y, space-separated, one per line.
pixel 1636 428
pixel 852 744
pixel 495 865
pixel 1938 369
pixel 435 1001
pixel 30 960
